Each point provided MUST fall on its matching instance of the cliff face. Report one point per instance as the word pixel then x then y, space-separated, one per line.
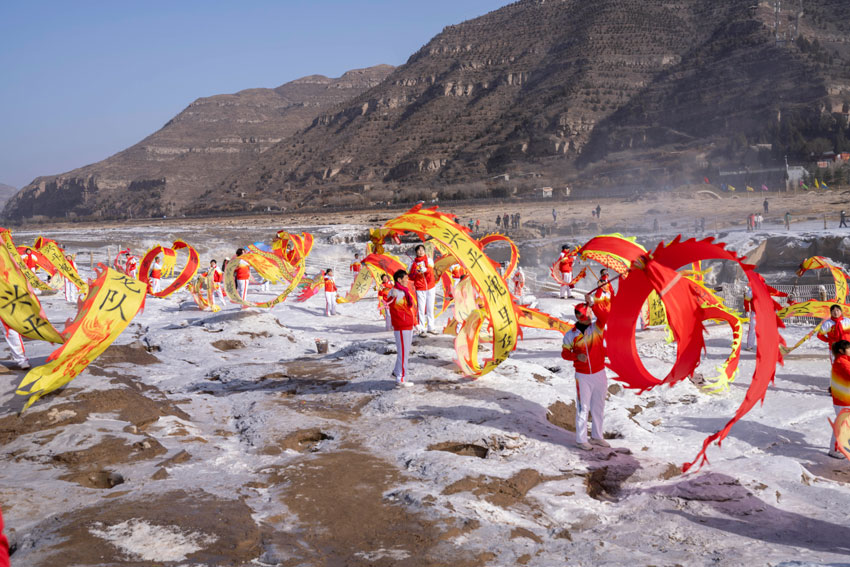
pixel 166 171
pixel 552 85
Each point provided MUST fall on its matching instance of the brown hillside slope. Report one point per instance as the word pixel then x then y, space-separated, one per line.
pixel 547 85
pixel 192 152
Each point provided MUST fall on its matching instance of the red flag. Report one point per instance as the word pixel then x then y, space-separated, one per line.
pixel 707 182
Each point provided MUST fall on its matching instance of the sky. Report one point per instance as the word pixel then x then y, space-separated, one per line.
pixel 82 80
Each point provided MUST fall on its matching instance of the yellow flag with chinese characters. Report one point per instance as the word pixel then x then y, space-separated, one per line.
pixel 113 300
pixel 498 307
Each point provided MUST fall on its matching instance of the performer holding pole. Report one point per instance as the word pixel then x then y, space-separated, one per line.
pixel 402 308
pixel 423 278
pixel 584 346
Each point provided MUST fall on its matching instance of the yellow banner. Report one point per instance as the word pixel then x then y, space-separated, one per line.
pixel 113 300
pixel 12 252
pixel 491 286
pixel 63 266
pixel 19 306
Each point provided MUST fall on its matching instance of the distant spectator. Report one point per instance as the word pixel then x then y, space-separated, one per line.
pixel 765 206
pixel 655 225
pixel 554 215
pixel 598 211
pixel 787 220
pixel 505 221
pixel 843 222
pixel 498 221
pixel 518 221
pixel 702 224
pixel 477 225
pixel 759 220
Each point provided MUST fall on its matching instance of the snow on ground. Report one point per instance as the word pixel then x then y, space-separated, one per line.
pixel 221 429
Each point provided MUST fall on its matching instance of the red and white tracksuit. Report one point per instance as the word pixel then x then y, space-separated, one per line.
pixel 70 288
pixel 519 282
pixel 591 380
pixel 425 283
pixel 839 385
pixel 31 262
pixel 833 330
pixel 16 345
pixel 355 267
pixel 330 295
pixel 565 266
pixel 402 307
pixel 131 266
pixel 243 274
pixel 156 277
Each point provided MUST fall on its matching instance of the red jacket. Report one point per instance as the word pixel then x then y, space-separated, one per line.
pixel 590 343
pixel 4 546
pixel 565 262
pixel 422 273
pixel 330 284
pixel 355 267
pixel 402 308
pixel 156 271
pixel 243 270
pixel 833 330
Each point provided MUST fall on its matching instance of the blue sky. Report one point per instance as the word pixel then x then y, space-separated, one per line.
pixel 81 80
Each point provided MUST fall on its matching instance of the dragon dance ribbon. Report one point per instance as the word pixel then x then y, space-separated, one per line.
pixel 373 267
pixel 12 252
pixel 838 275
pixel 612 251
pixel 657 271
pixel 202 289
pixel 112 302
pixel 56 257
pixel 287 262
pixel 169 258
pixel 494 294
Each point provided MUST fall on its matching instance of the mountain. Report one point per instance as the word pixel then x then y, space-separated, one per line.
pixel 163 173
pixel 6 193
pixel 569 90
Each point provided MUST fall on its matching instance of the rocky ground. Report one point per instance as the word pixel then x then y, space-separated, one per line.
pixel 227 439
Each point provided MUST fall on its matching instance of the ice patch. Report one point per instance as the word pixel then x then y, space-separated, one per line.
pixel 147 542
pixel 395 554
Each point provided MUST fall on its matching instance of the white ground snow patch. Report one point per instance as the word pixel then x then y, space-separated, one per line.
pixel 148 542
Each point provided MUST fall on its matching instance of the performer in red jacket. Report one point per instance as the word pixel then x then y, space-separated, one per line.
pixel 425 282
pixel 584 345
pixel 330 293
pixel 356 265
pixel 834 329
pixel 383 297
pixel 565 266
pixel 402 306
pixel 156 275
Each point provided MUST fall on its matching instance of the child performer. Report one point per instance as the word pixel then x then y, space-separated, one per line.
pixel 330 293
pixel 402 307
pixel 156 275
pixel 383 297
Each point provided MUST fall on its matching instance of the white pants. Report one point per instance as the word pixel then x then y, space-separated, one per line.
pixel 264 286
pixel 70 292
pixel 751 330
pixel 242 289
pixel 330 303
pixel 426 298
pixel 218 294
pixel 16 345
pixel 403 340
pixel 591 390
pixel 565 289
pixel 155 285
pixel 388 320
pixel 833 444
